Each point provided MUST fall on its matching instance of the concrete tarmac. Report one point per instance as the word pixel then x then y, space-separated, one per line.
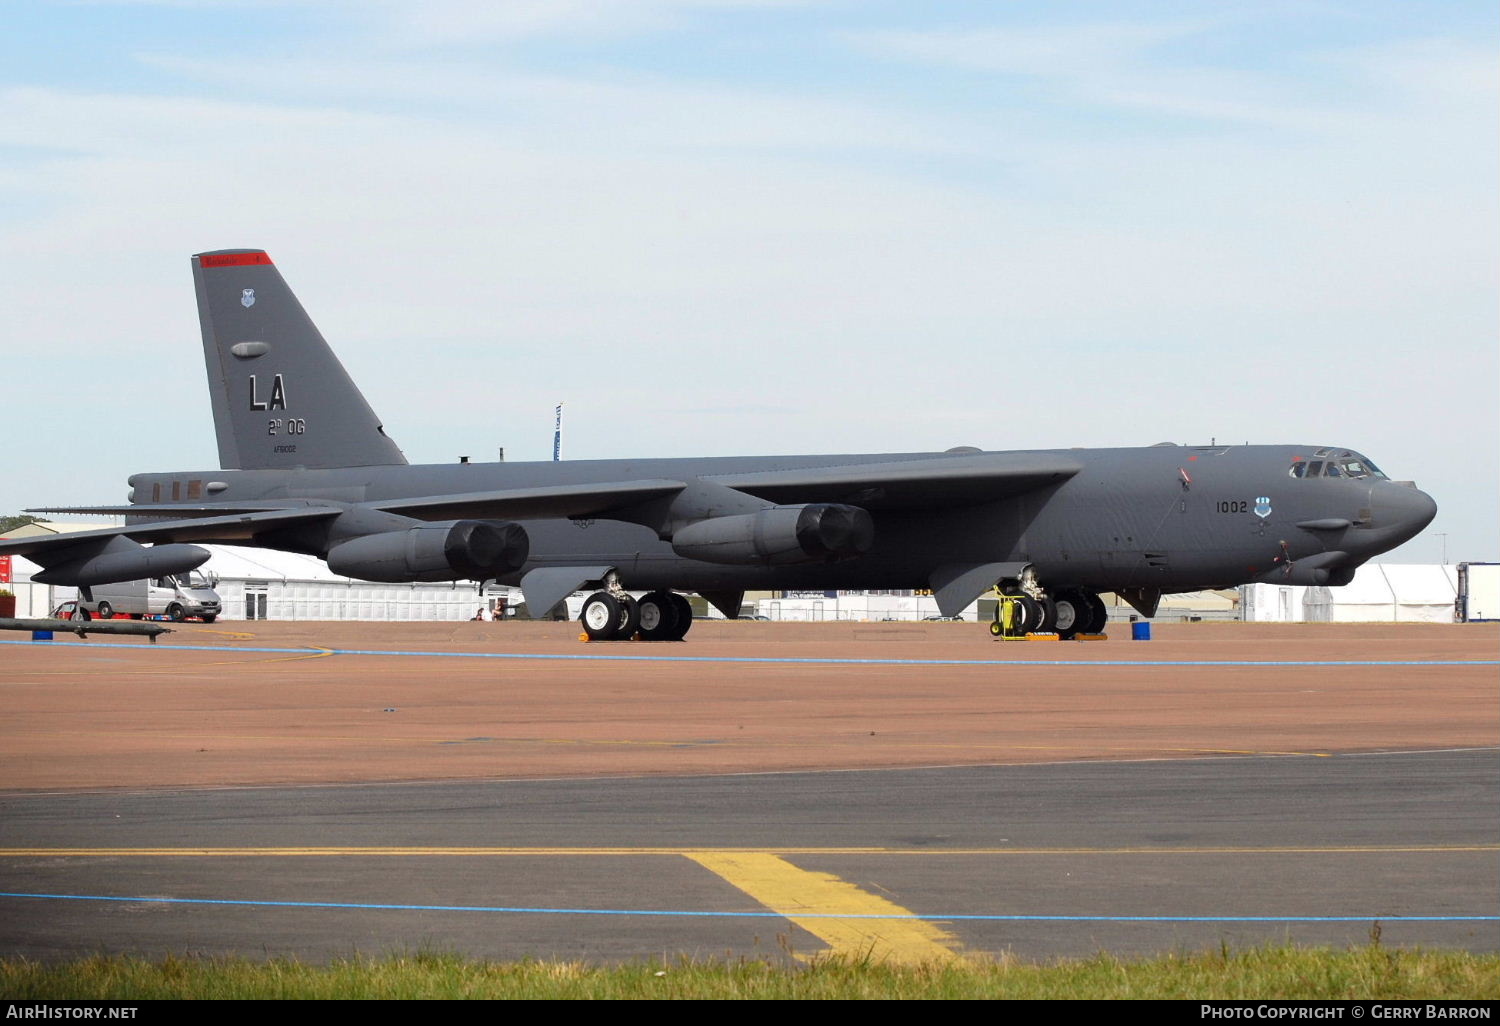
pixel 1224 783
pixel 268 702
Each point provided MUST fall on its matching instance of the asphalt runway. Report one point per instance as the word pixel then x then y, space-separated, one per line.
pixel 1224 784
pixel 618 869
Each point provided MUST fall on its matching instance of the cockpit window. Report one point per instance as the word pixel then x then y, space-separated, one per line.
pixel 1356 468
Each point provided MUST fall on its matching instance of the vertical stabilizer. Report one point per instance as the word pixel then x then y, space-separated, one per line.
pixel 281 399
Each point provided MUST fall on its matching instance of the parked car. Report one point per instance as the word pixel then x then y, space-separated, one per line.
pixel 176 597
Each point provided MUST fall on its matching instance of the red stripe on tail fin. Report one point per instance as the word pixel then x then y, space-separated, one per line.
pixel 233 259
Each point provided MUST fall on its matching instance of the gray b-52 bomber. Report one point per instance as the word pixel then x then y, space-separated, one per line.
pixel 307 467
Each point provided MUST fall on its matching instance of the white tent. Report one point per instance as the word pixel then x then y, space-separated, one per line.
pixel 265 584
pixel 1380 592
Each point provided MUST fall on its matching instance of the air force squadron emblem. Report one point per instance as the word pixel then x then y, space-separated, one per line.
pixel 1262 506
pixel 247 298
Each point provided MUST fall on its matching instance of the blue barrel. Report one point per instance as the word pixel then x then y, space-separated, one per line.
pixel 41 635
pixel 1140 630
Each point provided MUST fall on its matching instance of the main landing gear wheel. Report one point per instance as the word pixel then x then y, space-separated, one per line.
pixel 659 616
pixel 1098 614
pixel 684 617
pixel 1074 613
pixel 1080 612
pixel 602 616
pixel 630 618
pixel 1038 616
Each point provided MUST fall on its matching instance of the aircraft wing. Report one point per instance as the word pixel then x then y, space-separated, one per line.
pixel 227 521
pixel 178 510
pixel 579 500
pixel 920 483
pixel 917 483
pixel 236 527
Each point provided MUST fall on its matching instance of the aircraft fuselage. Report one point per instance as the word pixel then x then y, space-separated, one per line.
pixel 1173 518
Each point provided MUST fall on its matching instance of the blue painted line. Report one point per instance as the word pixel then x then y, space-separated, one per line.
pixel 757 915
pixel 593 657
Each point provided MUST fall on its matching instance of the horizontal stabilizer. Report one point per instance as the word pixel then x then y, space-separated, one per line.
pixel 917 483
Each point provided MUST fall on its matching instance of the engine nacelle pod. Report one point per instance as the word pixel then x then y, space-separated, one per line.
pixel 122 559
pixel 818 532
pixel 446 551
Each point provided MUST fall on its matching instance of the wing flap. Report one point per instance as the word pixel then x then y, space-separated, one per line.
pixel 911 484
pixel 581 500
pixel 176 510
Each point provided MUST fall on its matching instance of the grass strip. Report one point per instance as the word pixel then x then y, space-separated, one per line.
pixel 1262 973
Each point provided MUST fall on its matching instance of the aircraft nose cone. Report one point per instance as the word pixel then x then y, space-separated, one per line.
pixel 1400 512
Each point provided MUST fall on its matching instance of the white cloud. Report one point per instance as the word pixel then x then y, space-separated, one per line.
pixel 407 25
pixel 653 251
pixel 1050 51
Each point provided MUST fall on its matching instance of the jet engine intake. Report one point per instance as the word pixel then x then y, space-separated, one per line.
pixel 444 551
pixel 817 532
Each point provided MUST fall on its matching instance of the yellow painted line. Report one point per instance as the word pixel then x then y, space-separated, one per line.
pixel 196 737
pixel 317 652
pixel 485 852
pixel 811 899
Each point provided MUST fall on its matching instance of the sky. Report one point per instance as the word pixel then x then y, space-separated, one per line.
pixel 725 227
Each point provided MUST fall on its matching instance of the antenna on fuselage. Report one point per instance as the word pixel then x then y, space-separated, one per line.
pixel 557 434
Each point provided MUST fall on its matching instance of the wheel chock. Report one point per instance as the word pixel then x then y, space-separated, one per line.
pixel 584 637
pixel 1091 637
pixel 1043 637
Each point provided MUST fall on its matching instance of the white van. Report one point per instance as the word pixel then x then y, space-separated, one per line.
pixel 177 598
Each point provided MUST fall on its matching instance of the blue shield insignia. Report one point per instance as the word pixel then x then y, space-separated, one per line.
pixel 1262 506
pixel 247 298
